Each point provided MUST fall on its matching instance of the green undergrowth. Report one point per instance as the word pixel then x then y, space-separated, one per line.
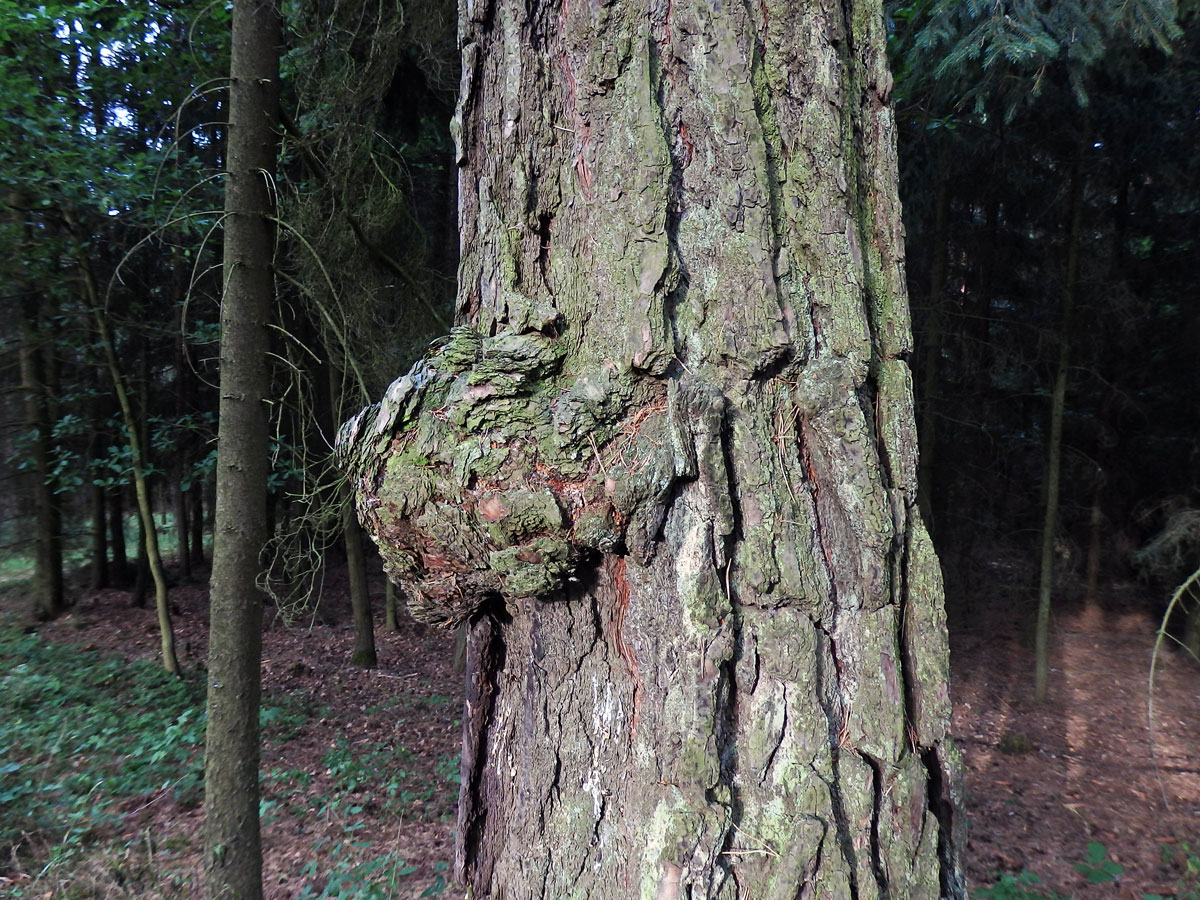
pixel 1099 869
pixel 80 732
pixel 89 741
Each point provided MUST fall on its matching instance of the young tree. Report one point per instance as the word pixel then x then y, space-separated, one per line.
pixel 232 850
pixel 666 468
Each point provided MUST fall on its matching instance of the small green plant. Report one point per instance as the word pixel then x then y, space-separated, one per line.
pixel 1186 860
pixel 1097 867
pixel 1015 743
pixel 1022 886
pixel 376 878
pixel 439 883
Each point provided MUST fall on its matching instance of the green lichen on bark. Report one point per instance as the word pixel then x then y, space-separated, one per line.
pixel 486 471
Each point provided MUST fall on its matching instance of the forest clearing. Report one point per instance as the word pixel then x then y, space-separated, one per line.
pixel 360 766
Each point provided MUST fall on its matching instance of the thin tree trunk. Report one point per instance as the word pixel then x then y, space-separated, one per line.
pixel 99 537
pixel 141 569
pixel 182 533
pixel 1095 542
pixel 196 514
pixel 666 469
pixel 116 533
pixel 232 844
pixel 932 355
pixel 390 622
pixel 133 434
pixel 1058 402
pixel 360 597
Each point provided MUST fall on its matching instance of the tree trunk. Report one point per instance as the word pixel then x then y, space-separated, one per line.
pixel 141 569
pixel 389 607
pixel 360 596
pixel 99 538
pixel 47 593
pixel 149 559
pixel 1091 596
pixel 182 533
pixel 116 533
pixel 232 849
pixel 1058 402
pixel 196 512
pixel 667 471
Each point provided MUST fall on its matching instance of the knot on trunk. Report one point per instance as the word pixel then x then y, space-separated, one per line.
pixel 487 471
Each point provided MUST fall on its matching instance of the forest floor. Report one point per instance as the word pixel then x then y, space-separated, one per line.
pixel 1046 780
pixel 360 783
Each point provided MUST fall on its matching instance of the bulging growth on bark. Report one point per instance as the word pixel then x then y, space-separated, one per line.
pixel 665 469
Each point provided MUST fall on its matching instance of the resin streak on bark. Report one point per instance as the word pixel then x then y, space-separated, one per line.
pixel 667 468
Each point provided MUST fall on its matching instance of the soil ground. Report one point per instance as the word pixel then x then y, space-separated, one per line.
pixel 1043 780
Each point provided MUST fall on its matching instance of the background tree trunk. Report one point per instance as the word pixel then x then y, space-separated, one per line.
pixel 232 849
pixel 119 569
pixel 1058 405
pixel 360 596
pixel 47 593
pixel 668 473
pixel 149 559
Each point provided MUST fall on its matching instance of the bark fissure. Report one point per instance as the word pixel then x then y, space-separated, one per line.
pixel 877 795
pixel 836 720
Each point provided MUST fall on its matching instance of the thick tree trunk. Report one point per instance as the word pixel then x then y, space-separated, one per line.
pixel 668 473
pixel 232 847
pixel 47 593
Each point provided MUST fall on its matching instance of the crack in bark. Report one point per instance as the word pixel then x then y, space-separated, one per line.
pixel 675 297
pixel 829 696
pixel 815 867
pixel 814 488
pixel 951 880
pixel 877 792
pixel 485 659
pixel 762 780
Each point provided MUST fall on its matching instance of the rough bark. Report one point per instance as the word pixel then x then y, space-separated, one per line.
pixel 666 470
pixel 232 848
